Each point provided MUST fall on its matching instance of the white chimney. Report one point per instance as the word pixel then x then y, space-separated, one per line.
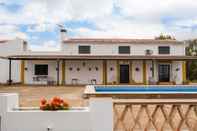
pixel 63 34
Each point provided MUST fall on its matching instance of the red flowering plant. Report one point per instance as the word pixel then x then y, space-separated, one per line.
pixel 56 103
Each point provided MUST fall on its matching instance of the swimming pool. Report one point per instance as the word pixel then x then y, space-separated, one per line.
pixel 142 91
pixel 146 89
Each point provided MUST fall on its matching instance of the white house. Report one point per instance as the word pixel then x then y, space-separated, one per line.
pixel 11 47
pixel 97 61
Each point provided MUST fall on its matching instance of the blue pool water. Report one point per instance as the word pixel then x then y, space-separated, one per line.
pixel 147 89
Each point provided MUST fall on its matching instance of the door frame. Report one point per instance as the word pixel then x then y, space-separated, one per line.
pixel 170 68
pixel 128 73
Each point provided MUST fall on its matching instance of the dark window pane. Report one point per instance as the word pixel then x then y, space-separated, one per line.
pixel 84 49
pixel 124 50
pixel 41 69
pixel 164 50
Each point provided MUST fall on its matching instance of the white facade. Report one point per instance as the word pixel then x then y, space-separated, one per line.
pixel 30 71
pixel 11 47
pixel 84 71
pixel 112 49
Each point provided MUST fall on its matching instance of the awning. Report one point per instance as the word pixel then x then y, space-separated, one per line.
pixel 99 57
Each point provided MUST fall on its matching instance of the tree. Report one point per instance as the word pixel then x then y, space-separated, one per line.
pixel 192 70
pixel 191 50
pixel 164 37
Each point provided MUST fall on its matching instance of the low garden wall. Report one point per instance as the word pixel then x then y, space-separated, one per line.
pixel 48 120
pixel 96 117
pixel 106 112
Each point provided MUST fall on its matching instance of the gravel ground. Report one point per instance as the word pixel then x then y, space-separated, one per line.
pixel 31 95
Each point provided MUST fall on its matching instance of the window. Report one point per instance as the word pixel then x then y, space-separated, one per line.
pixel 84 49
pixel 124 50
pixel 41 69
pixel 164 50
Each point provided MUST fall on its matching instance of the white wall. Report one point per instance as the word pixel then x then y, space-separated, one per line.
pixel 4 75
pixel 36 120
pixel 9 48
pixel 177 74
pixel 101 112
pixel 112 49
pixel 137 75
pixel 7 103
pixel 148 70
pixel 112 74
pixel 84 76
pixel 76 120
pixel 12 47
pixel 86 119
pixel 52 72
pixel 139 49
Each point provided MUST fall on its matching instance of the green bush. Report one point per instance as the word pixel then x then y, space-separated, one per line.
pixel 192 70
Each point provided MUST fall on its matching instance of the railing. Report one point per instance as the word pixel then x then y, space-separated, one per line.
pixel 155 115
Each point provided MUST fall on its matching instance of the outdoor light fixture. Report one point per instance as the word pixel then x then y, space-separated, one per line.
pixel 137 69
pixel 177 69
pixel 84 64
pixel 49 129
pixel 111 69
pixel 26 68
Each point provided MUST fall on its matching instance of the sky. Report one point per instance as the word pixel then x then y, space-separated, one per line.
pixel 37 20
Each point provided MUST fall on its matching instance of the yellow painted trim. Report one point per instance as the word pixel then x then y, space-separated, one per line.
pixel 184 71
pixel 144 73
pixel 104 72
pixel 22 71
pixel 63 72
pixel 118 71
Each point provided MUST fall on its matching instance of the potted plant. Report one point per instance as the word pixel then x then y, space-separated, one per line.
pixel 56 103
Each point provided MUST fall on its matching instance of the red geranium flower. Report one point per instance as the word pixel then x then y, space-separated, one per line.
pixel 43 101
pixel 55 103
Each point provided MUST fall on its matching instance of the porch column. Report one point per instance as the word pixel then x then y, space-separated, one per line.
pixel 118 71
pixel 144 72
pixel 104 72
pixel 58 72
pixel 22 72
pixel 10 72
pixel 153 69
pixel 184 77
pixel 130 72
pixel 63 72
